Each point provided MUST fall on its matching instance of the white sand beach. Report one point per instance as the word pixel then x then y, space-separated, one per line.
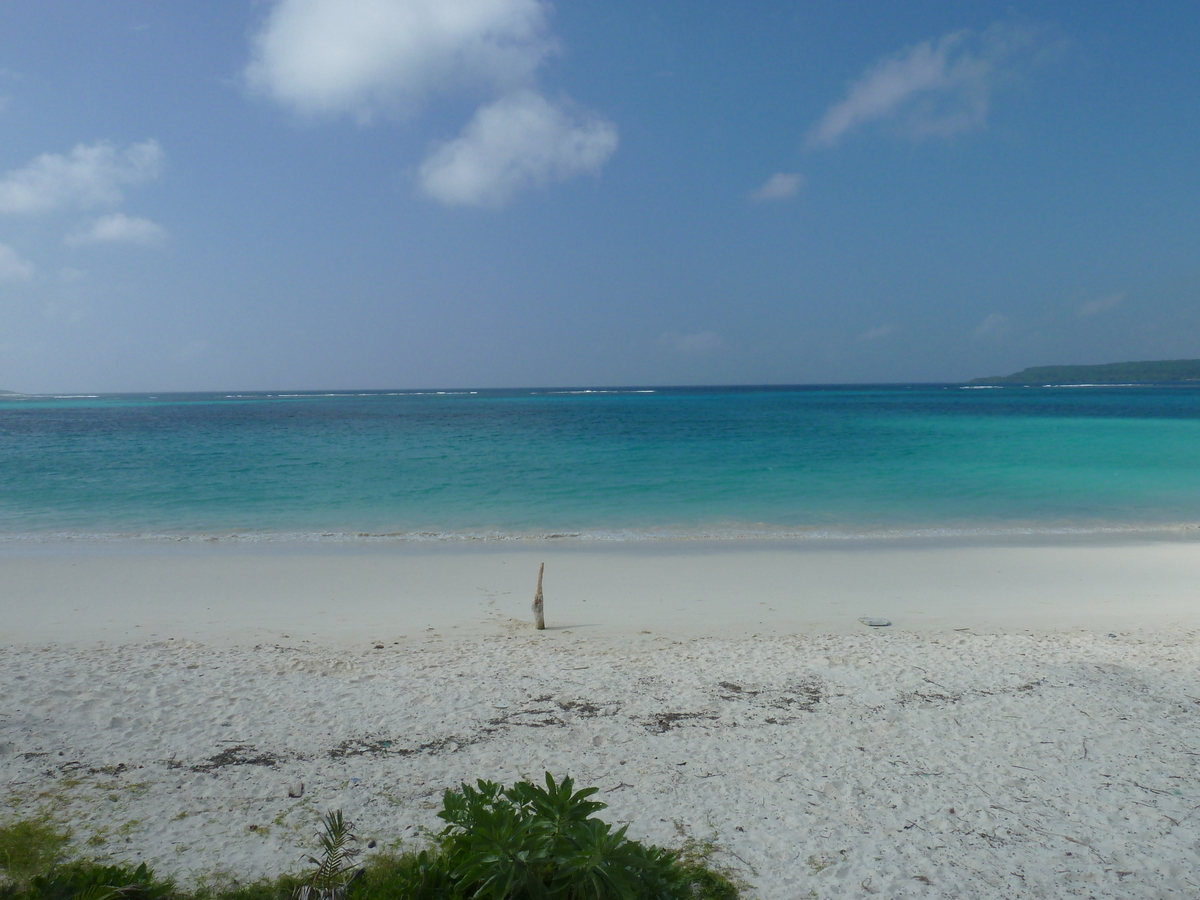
pixel 1028 726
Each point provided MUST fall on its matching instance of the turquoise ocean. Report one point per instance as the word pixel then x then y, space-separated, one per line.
pixel 843 461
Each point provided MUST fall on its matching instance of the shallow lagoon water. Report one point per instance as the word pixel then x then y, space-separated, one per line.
pixel 602 464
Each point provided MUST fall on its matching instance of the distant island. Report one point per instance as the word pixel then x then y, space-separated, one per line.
pixel 1107 373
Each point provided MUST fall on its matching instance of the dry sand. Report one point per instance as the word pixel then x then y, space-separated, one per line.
pixel 1029 726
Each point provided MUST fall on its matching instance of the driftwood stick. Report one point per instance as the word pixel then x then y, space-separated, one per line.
pixel 539 620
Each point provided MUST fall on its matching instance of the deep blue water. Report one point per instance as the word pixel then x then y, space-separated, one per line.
pixel 679 462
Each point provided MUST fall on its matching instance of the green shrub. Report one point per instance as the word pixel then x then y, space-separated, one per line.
pixel 526 842
pixel 33 858
pixel 416 876
pixel 708 883
pixel 91 881
pixel 31 847
pixel 537 842
pixel 282 888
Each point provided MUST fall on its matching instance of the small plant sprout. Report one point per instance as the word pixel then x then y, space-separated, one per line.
pixel 335 866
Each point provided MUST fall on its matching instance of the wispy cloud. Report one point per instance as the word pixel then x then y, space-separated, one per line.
pixel 368 58
pixel 89 176
pixel 937 88
pixel 779 186
pixel 192 351
pixel 7 75
pixel 12 266
pixel 697 342
pixel 1095 307
pixel 520 141
pixel 994 327
pixel 119 228
pixel 879 332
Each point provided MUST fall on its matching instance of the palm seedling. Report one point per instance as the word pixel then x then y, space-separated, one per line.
pixel 335 869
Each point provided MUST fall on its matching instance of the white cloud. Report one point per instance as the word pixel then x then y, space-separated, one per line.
pixel 119 228
pixel 935 89
pixel 363 56
pixel 779 186
pixel 367 57
pixel 88 176
pixel 877 333
pixel 1094 307
pixel 12 267
pixel 993 327
pixel 699 342
pixel 522 140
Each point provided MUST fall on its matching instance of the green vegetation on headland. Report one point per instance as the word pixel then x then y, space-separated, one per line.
pixel 1150 372
pixel 517 843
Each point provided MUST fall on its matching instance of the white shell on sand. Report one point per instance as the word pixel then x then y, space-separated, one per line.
pixel 875 622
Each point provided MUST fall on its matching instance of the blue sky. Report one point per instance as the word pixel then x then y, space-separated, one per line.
pixel 451 193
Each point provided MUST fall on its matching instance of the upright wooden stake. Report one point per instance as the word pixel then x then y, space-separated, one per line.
pixel 539 621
